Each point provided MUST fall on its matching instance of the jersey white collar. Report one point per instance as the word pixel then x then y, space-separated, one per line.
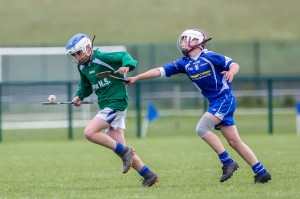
pixel 195 58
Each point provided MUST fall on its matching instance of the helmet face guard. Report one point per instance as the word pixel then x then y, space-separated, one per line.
pixel 188 36
pixel 77 48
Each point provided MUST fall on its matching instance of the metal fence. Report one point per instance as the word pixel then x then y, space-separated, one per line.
pixel 21 102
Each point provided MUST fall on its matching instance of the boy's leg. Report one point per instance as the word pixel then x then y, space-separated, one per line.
pixel 229 166
pixel 129 155
pixel 93 133
pixel 232 136
pixel 150 178
pixel 203 129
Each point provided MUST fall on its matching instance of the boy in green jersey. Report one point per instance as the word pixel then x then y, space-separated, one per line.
pixel 112 100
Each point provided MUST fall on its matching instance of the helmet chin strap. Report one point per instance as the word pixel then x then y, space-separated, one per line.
pixel 186 52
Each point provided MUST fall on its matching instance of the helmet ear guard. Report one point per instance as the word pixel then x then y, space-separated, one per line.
pixel 205 39
pixel 202 44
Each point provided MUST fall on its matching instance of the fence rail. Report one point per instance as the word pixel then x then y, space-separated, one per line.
pixel 20 102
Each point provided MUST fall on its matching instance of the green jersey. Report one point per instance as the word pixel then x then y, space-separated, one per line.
pixel 111 93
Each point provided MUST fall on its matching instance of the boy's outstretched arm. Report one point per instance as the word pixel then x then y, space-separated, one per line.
pixel 153 73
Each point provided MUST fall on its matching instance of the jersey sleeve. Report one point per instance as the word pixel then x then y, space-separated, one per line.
pixel 84 88
pixel 219 60
pixel 127 60
pixel 174 68
pixel 123 58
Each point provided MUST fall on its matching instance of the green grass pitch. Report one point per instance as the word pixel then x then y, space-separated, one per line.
pixel 51 167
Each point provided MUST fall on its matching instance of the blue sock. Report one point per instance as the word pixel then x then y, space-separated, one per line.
pixel 225 158
pixel 258 168
pixel 144 170
pixel 118 148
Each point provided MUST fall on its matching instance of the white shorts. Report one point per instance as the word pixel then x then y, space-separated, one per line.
pixel 115 118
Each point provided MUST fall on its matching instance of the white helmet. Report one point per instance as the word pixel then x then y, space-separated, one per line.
pixel 78 42
pixel 190 35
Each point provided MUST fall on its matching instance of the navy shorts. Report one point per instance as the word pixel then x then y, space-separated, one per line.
pixel 223 108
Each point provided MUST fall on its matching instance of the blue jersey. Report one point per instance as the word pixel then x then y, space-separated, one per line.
pixel 205 72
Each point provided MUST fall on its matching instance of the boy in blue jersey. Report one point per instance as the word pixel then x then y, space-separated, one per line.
pixel 212 75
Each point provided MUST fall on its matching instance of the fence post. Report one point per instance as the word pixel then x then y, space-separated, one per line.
pixel 270 102
pixel 70 112
pixel 256 57
pixel 138 109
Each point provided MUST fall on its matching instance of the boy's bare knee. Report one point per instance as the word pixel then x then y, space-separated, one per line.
pixel 234 143
pixel 88 134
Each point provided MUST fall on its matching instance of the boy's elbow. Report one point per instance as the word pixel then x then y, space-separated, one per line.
pixel 235 67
